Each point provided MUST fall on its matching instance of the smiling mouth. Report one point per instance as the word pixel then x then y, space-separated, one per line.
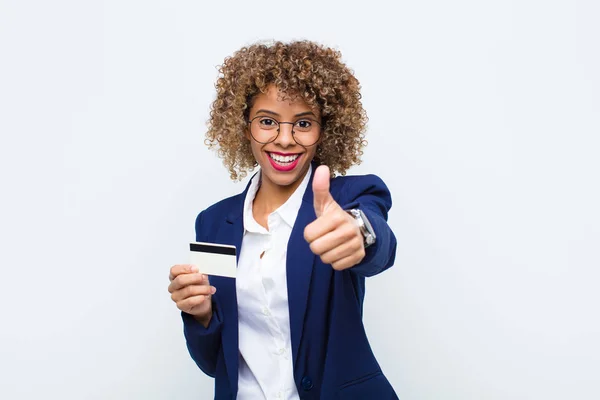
pixel 283 160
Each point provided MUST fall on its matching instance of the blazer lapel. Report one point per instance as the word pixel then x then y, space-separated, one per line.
pixel 231 232
pixel 299 266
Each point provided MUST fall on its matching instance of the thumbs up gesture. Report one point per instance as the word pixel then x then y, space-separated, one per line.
pixel 334 235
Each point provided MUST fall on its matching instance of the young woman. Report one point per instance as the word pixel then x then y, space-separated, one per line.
pixel 290 325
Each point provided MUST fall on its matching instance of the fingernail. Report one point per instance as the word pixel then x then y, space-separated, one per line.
pixel 213 290
pixel 193 268
pixel 204 277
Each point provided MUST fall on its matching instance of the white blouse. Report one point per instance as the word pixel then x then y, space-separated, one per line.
pixel 265 358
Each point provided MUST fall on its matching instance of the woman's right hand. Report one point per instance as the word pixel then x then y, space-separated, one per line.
pixel 191 291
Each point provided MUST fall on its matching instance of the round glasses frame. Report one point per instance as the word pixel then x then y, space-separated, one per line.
pixel 279 130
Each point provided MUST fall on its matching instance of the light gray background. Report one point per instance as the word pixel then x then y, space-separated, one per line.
pixel 484 122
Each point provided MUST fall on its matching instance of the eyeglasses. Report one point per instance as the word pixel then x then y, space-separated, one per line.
pixel 306 132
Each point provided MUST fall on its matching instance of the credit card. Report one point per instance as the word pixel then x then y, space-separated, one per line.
pixel 214 259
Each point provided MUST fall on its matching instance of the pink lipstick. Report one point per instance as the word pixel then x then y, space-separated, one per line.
pixel 280 164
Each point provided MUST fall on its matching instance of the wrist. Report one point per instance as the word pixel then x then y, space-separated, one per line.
pixel 203 320
pixel 364 225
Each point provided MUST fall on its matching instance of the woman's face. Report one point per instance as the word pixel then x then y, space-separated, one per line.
pixel 283 161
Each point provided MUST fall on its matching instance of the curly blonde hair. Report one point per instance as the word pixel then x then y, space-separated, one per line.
pixel 300 68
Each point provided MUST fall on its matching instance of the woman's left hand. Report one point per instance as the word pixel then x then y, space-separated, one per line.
pixel 334 235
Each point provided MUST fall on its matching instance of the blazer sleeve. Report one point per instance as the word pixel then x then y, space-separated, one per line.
pixel 202 343
pixel 370 194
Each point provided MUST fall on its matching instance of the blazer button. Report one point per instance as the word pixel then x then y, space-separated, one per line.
pixel 307 383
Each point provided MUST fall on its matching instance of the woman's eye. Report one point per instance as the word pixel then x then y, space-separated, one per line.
pixel 267 122
pixel 303 124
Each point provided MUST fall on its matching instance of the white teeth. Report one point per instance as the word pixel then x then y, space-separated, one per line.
pixel 284 159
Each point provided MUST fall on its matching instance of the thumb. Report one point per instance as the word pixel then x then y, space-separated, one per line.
pixel 320 185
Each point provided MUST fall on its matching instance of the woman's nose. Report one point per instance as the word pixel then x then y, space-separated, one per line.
pixel 286 134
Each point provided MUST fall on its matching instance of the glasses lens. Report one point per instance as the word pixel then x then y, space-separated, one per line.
pixel 306 132
pixel 264 129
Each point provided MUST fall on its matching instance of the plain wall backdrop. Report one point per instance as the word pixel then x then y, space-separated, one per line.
pixel 484 123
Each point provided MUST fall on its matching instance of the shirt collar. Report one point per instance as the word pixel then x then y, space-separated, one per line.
pixel 288 211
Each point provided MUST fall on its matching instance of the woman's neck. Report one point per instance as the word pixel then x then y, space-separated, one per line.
pixel 271 196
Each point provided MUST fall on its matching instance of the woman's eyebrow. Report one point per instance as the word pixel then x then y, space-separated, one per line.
pixel 262 110
pixel 306 113
pixel 268 112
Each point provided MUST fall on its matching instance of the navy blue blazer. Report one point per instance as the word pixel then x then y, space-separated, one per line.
pixel 332 358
